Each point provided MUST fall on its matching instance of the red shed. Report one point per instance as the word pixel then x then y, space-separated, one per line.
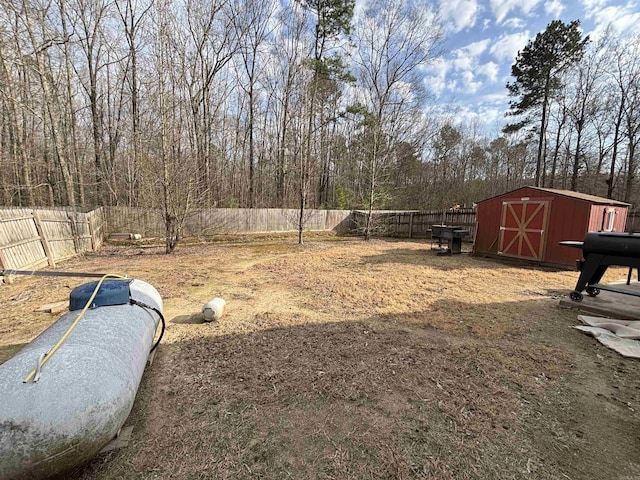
pixel 529 222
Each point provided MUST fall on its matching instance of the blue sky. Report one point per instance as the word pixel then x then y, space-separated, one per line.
pixel 483 39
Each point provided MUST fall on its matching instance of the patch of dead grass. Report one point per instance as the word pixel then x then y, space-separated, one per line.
pixel 341 359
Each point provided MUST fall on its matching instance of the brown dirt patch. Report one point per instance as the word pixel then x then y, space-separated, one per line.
pixel 346 359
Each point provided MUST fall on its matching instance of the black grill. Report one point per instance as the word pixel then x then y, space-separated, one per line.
pixel 450 235
pixel 601 250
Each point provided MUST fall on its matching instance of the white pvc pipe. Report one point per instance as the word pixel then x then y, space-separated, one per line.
pixel 213 309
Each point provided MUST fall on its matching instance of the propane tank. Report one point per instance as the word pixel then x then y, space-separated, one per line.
pixel 213 309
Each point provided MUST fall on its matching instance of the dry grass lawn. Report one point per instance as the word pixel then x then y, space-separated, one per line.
pixel 344 359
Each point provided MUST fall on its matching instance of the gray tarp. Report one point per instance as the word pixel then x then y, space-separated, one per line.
pixel 619 335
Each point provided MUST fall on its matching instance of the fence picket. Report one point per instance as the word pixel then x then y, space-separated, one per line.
pixel 33 238
pixel 40 236
pixel 416 224
pixel 223 221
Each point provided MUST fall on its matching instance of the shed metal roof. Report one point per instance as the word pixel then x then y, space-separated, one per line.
pixel 569 193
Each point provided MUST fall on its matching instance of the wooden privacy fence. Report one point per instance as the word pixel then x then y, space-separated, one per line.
pixel 416 224
pixel 633 221
pixel 214 221
pixel 32 238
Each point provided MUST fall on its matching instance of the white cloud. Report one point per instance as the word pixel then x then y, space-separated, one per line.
pixel 508 46
pixel 476 48
pixel 462 73
pixel 458 14
pixel 469 82
pixel 489 71
pixel 463 68
pixel 489 116
pixel 436 77
pixel 359 9
pixel 467 57
pixel 502 8
pixel 495 98
pixel 514 23
pixel 478 114
pixel 623 19
pixel 554 8
pixel 462 62
pixel 591 5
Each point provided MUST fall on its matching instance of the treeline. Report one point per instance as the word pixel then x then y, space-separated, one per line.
pixel 183 103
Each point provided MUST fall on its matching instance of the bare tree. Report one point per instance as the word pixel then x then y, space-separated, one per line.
pixel 628 79
pixel 132 16
pixel 251 20
pixel 175 175
pixel 558 118
pixel 587 75
pixel 332 21
pixel 89 17
pixel 285 78
pixel 9 93
pixel 40 42
pixel 394 39
pixel 210 46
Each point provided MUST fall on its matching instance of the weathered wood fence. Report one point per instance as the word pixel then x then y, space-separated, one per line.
pixel 215 221
pixel 32 238
pixel 633 221
pixel 416 224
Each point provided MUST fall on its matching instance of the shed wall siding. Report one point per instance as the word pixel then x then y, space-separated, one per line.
pixel 597 217
pixel 488 226
pixel 568 220
pixel 622 218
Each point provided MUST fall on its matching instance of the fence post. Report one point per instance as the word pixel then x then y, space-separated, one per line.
pixel 3 260
pixel 43 238
pixel 102 225
pixel 411 225
pixel 91 231
pixel 74 232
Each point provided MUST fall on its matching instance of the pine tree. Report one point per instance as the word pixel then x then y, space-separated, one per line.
pixel 333 21
pixel 537 72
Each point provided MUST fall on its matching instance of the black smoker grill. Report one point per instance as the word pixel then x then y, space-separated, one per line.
pixel 450 235
pixel 600 251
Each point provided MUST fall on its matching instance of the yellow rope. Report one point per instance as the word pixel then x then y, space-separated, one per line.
pixel 50 353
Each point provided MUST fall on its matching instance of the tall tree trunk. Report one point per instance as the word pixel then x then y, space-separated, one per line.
pixel 15 135
pixel 543 128
pixel 71 114
pixel 131 26
pixel 251 145
pixel 614 153
pixel 282 148
pixel 576 156
pixel 102 175
pixel 373 172
pixel 631 170
pixel 556 150
pixel 305 164
pixel 53 110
